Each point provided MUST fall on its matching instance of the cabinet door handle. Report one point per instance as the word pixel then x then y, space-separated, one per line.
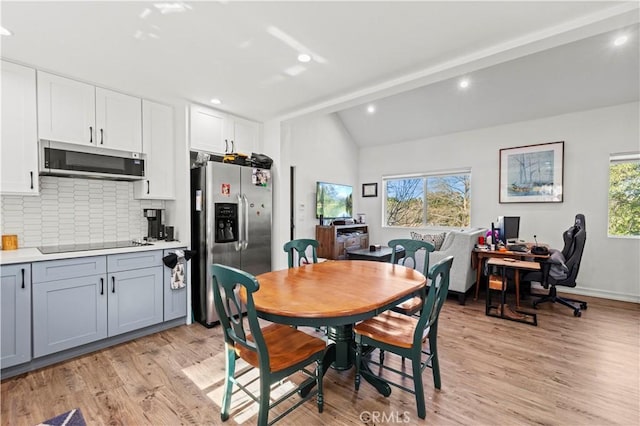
pixel 90 134
pixel 31 173
pixel 148 187
pixel 233 146
pixel 101 286
pixel 101 137
pixel 22 277
pixel 113 284
pixel 226 146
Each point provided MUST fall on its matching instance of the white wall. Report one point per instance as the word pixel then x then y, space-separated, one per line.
pixel 272 146
pixel 320 149
pixel 610 266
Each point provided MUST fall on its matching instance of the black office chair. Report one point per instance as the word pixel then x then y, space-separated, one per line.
pixel 562 267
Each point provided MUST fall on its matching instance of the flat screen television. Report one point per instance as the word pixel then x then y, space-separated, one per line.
pixel 333 200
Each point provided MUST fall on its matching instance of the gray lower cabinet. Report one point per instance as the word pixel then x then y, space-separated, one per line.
pixel 15 317
pixel 69 303
pixel 135 299
pixel 135 290
pixel 82 300
pixel 175 300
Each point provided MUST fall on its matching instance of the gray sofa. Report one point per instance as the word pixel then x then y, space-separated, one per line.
pixel 458 244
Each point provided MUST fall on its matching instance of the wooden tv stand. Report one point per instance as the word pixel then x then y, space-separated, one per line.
pixel 335 240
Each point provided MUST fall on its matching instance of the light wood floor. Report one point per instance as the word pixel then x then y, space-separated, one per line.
pixel 566 371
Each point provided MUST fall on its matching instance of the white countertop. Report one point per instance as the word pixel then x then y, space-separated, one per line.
pixel 32 254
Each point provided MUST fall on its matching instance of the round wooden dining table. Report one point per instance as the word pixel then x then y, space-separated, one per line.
pixel 335 294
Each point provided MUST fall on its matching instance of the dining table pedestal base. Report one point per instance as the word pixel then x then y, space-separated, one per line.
pixel 342 336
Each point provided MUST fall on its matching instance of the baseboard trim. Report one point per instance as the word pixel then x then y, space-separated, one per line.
pixel 602 294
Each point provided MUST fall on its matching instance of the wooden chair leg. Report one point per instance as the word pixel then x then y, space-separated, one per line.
pixel 435 364
pixel 230 367
pixel 319 396
pixel 265 390
pixel 418 387
pixel 358 361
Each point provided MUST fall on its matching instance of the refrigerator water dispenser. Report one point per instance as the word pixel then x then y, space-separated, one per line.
pixel 226 219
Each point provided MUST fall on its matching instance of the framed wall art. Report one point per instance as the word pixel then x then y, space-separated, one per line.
pixel 532 173
pixel 370 189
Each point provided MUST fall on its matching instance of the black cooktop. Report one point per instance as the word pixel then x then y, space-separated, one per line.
pixel 65 248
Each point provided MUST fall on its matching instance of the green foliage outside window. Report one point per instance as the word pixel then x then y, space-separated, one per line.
pixel 624 198
pixel 432 200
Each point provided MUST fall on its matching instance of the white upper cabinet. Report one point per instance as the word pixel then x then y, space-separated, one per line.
pixel 118 121
pixel 66 110
pixel 207 129
pixel 242 135
pixel 75 112
pixel 19 143
pixel 158 145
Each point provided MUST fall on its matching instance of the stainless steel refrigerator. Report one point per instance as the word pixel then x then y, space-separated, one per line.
pixel 231 209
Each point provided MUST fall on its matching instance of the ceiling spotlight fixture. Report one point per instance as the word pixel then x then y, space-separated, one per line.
pixel 371 109
pixel 304 57
pixel 619 41
pixel 464 83
pixel 216 101
pixel 5 32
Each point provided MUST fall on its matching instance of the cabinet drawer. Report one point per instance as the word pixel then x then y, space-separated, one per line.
pixel 53 270
pixel 138 260
pixel 351 242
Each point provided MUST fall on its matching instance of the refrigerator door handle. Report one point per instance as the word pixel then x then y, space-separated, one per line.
pixel 238 243
pixel 245 241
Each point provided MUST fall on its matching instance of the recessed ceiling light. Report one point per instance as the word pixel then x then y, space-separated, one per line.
pixel 371 109
pixel 464 83
pixel 216 101
pixel 5 32
pixel 303 57
pixel 619 41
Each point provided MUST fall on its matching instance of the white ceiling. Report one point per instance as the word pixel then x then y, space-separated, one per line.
pixel 585 74
pixel 245 54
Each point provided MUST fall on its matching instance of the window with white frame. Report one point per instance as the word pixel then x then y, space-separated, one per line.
pixel 428 199
pixel 624 195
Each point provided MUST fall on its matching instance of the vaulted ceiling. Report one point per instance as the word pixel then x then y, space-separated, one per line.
pixel 522 59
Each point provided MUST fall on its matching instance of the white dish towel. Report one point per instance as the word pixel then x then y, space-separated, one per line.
pixel 177 273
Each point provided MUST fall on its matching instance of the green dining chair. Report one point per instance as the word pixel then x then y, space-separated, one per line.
pixel 277 350
pixel 299 247
pixel 406 335
pixel 411 247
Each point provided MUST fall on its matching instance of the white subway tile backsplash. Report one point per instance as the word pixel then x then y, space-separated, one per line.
pixel 75 210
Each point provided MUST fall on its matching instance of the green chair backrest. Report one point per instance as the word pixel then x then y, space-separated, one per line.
pixel 439 276
pixel 300 247
pixel 227 284
pixel 410 249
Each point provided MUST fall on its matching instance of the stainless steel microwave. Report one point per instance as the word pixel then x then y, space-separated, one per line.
pixel 64 159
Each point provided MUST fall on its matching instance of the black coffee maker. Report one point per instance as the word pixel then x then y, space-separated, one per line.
pixel 155 230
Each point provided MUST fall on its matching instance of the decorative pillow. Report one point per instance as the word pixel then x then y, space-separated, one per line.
pixel 558 269
pixel 435 239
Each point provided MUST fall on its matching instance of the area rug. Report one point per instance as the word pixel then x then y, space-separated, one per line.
pixel 70 418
